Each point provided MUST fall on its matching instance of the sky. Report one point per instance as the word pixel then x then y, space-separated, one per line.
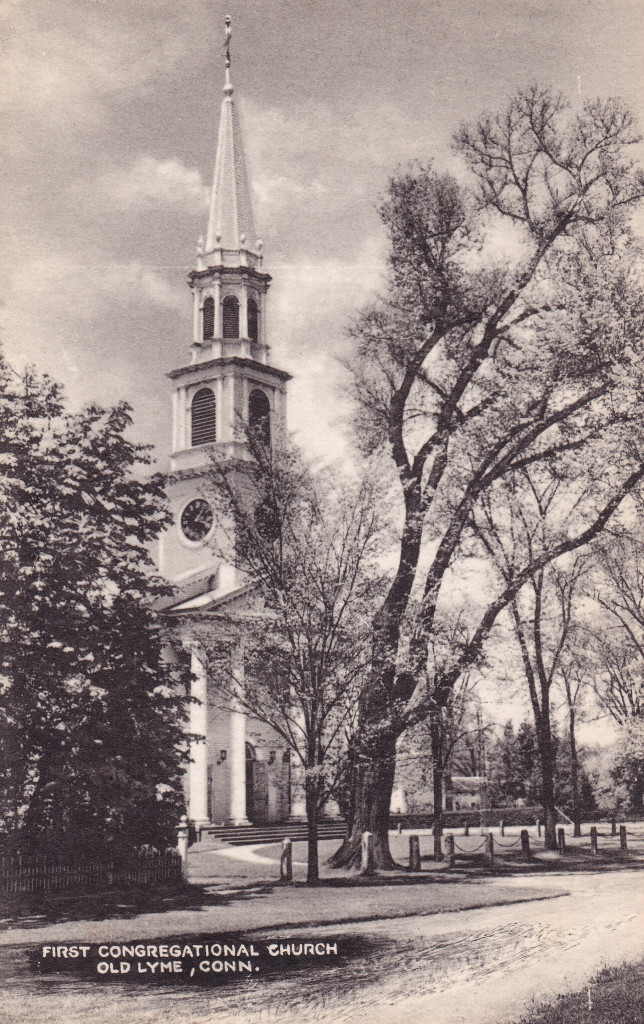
pixel 109 114
pixel 109 121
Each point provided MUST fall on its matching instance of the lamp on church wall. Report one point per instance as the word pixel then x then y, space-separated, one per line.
pixel 223 754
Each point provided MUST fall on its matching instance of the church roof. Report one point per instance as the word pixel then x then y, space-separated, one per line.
pixel 231 224
pixel 202 593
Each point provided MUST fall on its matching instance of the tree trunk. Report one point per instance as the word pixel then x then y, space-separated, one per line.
pixel 437 825
pixel 312 813
pixel 548 789
pixel 574 775
pixel 435 732
pixel 374 781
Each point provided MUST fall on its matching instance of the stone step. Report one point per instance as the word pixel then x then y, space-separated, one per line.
pixel 252 835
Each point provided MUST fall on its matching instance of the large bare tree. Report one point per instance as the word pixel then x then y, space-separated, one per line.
pixel 508 335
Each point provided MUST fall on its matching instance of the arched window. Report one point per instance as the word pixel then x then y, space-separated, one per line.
pixel 209 319
pixel 204 419
pixel 253 320
pixel 231 317
pixel 259 416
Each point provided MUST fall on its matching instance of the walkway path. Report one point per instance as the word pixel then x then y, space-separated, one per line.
pixel 478 966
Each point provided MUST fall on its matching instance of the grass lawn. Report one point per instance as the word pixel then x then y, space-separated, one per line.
pixel 614 996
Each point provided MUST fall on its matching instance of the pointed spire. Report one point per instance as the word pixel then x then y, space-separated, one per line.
pixel 231 225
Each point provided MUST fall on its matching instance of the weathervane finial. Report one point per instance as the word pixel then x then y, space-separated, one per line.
pixel 229 33
pixel 228 89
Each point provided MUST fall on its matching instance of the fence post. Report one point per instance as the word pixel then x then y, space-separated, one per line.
pixel 622 839
pixel 414 853
pixel 438 847
pixel 400 828
pixel 613 827
pixel 489 847
pixel 525 843
pixel 537 822
pixel 593 840
pixel 561 840
pixel 182 844
pixel 366 866
pixel 467 829
pixel 449 851
pixel 286 861
pixel 502 824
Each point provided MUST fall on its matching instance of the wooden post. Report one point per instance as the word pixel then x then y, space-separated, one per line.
pixel 622 839
pixel 467 829
pixel 438 847
pixel 537 822
pixel 286 861
pixel 399 827
pixel 613 827
pixel 593 840
pixel 182 844
pixel 502 823
pixel 489 847
pixel 449 851
pixel 525 843
pixel 366 866
pixel 414 853
pixel 561 840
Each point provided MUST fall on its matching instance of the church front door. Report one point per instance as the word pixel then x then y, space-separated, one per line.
pixel 256 788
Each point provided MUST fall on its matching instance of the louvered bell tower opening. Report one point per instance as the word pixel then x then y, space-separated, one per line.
pixel 204 417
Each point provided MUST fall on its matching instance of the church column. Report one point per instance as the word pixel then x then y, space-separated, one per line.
pixel 197 331
pixel 175 421
pixel 237 747
pixel 243 313
pixel 219 330
pixel 298 793
pixel 198 767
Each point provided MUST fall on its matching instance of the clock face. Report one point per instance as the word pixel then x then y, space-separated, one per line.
pixel 196 519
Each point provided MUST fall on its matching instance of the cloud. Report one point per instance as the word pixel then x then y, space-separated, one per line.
pixel 310 306
pixel 150 182
pixel 294 181
pixel 63 69
pixel 94 325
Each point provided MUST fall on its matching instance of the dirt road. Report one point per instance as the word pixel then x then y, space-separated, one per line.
pixel 489 966
pixel 483 966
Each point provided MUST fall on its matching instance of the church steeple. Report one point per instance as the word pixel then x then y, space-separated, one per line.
pixel 228 284
pixel 227 383
pixel 231 225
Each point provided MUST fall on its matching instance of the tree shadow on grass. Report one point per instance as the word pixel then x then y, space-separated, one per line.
pixel 32 910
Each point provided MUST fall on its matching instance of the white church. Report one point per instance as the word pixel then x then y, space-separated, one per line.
pixel 242 772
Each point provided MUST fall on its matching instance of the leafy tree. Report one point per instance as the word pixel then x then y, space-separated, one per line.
pixel 480 360
pixel 617 634
pixel 92 742
pixel 627 763
pixel 308 543
pixel 514 766
pixel 433 748
pixel 517 520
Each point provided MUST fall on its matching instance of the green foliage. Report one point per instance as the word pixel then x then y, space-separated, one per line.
pixel 515 773
pixel 614 996
pixel 628 762
pixel 91 741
